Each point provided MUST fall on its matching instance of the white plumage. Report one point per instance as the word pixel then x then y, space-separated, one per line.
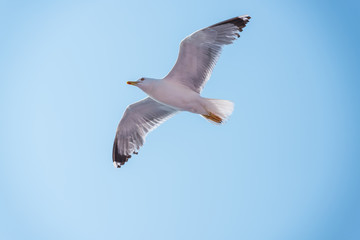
pixel 179 90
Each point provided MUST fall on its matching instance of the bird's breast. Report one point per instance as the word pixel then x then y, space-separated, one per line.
pixel 176 96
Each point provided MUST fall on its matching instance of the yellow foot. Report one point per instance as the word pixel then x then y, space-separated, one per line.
pixel 213 117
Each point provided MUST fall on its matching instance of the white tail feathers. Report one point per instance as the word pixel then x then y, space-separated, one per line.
pixel 218 110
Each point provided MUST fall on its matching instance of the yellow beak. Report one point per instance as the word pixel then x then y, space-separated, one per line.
pixel 132 83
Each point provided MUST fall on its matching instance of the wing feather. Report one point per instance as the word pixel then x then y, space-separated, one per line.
pixel 138 120
pixel 200 51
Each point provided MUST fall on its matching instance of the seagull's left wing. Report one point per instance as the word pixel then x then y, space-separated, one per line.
pixel 199 52
pixel 139 118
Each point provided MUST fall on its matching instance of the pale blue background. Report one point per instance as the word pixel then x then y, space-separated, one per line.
pixel 286 165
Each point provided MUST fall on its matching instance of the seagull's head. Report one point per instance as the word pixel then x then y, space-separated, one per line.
pixel 142 83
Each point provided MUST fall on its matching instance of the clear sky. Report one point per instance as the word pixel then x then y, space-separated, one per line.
pixel 285 166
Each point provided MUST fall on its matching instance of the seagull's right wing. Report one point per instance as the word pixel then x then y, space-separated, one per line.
pixel 139 118
pixel 199 52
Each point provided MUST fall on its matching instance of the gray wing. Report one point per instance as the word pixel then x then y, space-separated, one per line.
pixel 200 50
pixel 139 119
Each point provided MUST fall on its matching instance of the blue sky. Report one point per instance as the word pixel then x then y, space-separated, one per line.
pixel 285 166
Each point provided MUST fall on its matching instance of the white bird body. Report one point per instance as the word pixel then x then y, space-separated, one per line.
pixel 179 90
pixel 174 94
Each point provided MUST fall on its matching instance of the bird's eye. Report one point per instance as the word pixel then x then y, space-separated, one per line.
pixel 142 79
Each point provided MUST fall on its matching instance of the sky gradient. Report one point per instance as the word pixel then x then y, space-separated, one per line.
pixel 285 166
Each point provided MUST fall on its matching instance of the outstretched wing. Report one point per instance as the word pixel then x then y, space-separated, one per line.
pixel 200 51
pixel 139 119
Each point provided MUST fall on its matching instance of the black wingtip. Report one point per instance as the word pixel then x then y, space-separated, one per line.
pixel 118 159
pixel 240 22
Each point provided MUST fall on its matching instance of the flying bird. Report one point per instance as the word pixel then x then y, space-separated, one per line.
pixel 179 90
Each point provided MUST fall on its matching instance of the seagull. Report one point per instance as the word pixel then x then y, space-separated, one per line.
pixel 179 90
